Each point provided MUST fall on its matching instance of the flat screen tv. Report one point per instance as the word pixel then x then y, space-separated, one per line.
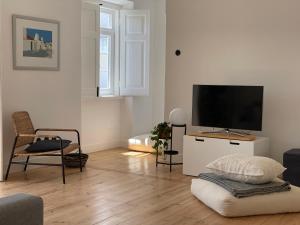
pixel 229 107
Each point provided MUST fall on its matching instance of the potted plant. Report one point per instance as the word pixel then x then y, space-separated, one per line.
pixel 160 134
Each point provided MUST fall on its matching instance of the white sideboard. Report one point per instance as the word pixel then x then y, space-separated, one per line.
pixel 199 151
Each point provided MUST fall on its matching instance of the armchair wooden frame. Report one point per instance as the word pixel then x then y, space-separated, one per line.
pixel 25 134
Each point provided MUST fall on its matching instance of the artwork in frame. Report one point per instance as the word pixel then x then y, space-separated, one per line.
pixel 35 43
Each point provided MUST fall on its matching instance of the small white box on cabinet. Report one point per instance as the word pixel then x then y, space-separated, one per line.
pixel 199 151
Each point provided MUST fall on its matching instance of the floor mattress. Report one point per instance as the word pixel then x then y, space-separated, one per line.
pixel 221 201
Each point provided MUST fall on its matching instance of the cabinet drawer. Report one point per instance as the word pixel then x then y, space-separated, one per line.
pixel 241 147
pixel 194 155
pixel 199 151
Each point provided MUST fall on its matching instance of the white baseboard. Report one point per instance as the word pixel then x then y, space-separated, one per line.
pixel 100 147
pixel 124 143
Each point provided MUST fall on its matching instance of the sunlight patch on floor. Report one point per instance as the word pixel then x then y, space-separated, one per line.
pixel 135 154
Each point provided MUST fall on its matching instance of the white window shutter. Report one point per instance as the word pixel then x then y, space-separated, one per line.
pixel 134 52
pixel 90 49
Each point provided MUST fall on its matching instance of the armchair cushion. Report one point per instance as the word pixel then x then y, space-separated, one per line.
pixel 47 145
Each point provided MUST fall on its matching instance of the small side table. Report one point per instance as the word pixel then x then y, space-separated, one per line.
pixel 171 152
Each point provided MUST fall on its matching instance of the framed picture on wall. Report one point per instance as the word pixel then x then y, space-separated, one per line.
pixel 35 43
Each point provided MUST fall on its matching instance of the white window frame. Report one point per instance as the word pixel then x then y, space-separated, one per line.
pixel 114 66
pixel 90 47
pixel 126 78
pixel 134 79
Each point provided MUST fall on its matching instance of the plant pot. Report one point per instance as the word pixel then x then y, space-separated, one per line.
pixel 164 136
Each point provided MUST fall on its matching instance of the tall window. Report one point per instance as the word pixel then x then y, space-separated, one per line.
pixel 107 51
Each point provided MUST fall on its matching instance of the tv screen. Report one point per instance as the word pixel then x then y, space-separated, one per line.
pixel 229 107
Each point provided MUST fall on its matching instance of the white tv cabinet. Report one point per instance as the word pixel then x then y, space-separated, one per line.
pixel 199 151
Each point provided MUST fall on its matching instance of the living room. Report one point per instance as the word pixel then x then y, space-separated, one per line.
pixel 115 70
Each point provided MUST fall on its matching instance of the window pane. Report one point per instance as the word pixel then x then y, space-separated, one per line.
pixel 105 20
pixel 104 44
pixel 104 80
pixel 105 61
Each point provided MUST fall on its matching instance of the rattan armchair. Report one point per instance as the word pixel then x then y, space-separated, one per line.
pixel 27 135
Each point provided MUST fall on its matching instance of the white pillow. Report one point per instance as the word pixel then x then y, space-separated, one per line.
pixel 248 169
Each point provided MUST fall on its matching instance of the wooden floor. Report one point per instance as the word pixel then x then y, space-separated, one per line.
pixel 121 187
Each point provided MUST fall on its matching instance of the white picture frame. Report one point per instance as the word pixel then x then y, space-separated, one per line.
pixel 36 43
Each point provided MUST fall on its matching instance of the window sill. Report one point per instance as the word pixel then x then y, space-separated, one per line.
pixel 111 97
pixel 104 98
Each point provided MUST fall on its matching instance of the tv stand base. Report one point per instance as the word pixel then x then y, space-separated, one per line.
pixel 226 134
pixel 199 151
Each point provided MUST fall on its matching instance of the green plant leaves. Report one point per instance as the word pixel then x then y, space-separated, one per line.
pixel 160 135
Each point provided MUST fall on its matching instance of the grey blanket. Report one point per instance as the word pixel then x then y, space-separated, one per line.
pixel 241 190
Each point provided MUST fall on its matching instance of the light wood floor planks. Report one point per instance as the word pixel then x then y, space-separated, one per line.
pixel 119 187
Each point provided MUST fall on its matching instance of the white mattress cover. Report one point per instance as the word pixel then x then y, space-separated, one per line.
pixel 141 140
pixel 220 200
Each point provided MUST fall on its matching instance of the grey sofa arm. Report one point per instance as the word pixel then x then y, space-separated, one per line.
pixel 21 209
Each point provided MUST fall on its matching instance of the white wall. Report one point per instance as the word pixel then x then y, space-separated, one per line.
pixel 52 98
pixel 249 42
pixel 108 124
pixel 101 126
pixel 159 58
pixel 150 110
pixel 142 113
pixel 100 117
pixel 1 139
